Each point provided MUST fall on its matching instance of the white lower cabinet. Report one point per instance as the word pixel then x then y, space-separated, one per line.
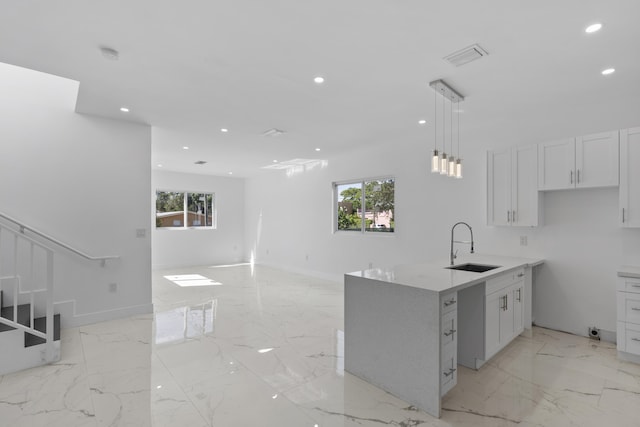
pixel 628 330
pixel 484 332
pixel 504 316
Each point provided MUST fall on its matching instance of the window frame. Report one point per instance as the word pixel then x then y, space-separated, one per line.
pixel 363 228
pixel 185 211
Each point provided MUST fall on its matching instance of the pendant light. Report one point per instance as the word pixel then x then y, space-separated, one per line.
pixel 452 160
pixel 440 163
pixel 459 161
pixel 444 161
pixel 435 157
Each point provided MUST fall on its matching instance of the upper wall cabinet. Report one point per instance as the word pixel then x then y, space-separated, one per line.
pixel 512 187
pixel 630 177
pixel 584 162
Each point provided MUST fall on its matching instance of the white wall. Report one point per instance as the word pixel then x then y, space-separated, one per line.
pixel 188 247
pixel 83 180
pixel 289 218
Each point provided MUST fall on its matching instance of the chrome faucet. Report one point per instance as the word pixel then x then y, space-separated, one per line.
pixel 453 255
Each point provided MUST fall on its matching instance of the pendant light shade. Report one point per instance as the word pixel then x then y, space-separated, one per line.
pixel 452 166
pixel 435 162
pixel 459 168
pixel 444 164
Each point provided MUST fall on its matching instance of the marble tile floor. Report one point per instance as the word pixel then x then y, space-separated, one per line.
pixel 255 346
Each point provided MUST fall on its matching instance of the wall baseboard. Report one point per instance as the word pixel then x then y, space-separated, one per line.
pixel 69 318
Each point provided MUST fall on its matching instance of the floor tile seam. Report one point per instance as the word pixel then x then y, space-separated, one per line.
pixel 178 383
pixel 85 367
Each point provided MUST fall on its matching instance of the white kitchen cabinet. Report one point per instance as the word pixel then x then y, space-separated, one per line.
pixel 584 162
pixel 512 187
pixel 628 327
pixel 504 313
pixel 484 331
pixel 630 177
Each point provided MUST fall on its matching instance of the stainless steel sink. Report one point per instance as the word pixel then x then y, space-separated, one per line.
pixel 477 268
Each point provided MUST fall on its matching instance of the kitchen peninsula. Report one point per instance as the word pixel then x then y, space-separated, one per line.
pixel 408 327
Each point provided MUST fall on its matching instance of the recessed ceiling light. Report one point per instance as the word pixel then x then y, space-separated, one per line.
pixel 593 28
pixel 124 109
pixel 230 173
pixel 159 165
pixel 608 71
pixel 185 148
pixel 317 149
pixel 224 130
pixel 422 122
pixel 275 161
pixel 319 80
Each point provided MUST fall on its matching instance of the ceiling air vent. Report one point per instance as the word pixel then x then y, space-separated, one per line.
pixel 466 55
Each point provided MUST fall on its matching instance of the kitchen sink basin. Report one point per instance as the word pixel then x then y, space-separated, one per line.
pixel 477 268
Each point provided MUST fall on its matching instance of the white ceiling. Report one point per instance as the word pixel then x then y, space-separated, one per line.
pixel 190 68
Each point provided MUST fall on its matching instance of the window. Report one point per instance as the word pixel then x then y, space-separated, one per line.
pixel 184 210
pixel 375 205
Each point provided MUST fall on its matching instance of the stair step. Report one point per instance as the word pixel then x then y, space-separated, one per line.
pixel 24 314
pixel 40 324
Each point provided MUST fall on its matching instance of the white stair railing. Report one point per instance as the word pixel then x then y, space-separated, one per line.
pixel 19 294
pixel 14 240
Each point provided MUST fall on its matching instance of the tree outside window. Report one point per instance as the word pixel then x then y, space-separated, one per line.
pixel 377 200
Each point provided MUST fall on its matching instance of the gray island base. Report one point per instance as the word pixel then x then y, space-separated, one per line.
pixel 406 327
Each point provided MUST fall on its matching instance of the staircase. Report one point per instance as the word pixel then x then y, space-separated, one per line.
pixel 29 329
pixel 21 350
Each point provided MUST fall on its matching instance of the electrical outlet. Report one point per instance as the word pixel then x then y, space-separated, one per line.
pixel 523 241
pixel 113 287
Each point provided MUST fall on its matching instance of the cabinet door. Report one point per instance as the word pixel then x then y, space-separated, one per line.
pixel 518 308
pixel 556 165
pixel 506 317
pixel 597 160
pixel 499 187
pixel 524 186
pixel 493 308
pixel 630 177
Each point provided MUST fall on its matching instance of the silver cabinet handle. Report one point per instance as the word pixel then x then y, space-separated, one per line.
pixel 450 302
pixel 451 332
pixel 520 274
pixel 508 216
pixel 635 339
pixel 578 177
pixel 513 216
pixel 623 215
pixel 635 308
pixel 450 372
pixel 571 177
pixel 519 296
pixel 636 286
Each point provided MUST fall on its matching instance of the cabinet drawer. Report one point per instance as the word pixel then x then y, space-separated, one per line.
pixel 448 302
pixel 449 371
pixel 503 280
pixel 449 329
pixel 629 307
pixel 626 284
pixel 632 341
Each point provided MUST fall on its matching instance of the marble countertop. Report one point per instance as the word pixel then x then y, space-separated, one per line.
pixel 433 276
pixel 629 271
